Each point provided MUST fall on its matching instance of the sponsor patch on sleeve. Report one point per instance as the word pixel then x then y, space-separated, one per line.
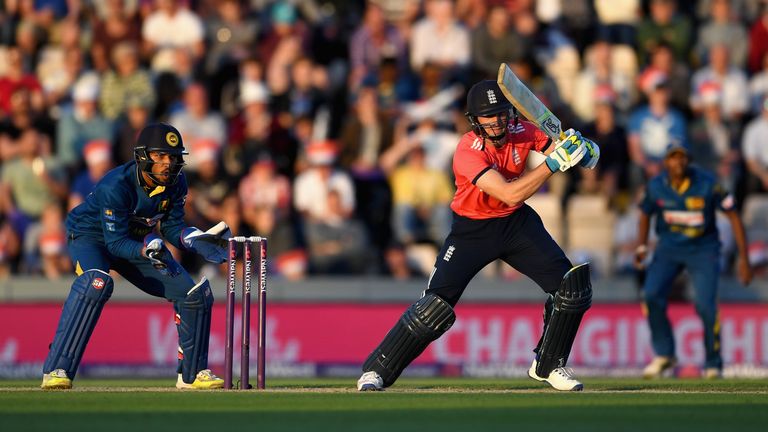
pixel 109 214
pixel 110 226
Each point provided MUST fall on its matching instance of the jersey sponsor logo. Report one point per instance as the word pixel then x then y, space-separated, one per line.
pixel 695 203
pixel 449 253
pixel 109 214
pixel 491 96
pixel 683 218
pixel 98 283
pixel 477 144
pixel 172 139
pixel 110 226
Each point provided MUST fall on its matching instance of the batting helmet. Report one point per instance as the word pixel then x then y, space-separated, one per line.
pixel 485 99
pixel 161 138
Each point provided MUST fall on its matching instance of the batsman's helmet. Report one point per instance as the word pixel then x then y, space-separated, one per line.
pixel 162 138
pixel 485 99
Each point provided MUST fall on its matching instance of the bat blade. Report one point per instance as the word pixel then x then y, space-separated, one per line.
pixel 528 104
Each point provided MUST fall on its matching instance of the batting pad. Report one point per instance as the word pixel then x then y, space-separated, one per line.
pixel 423 322
pixel 193 322
pixel 571 301
pixel 87 297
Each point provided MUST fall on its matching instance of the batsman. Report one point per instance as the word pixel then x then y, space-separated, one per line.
pixel 491 221
pixel 116 228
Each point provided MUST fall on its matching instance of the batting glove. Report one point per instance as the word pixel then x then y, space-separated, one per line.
pixel 568 152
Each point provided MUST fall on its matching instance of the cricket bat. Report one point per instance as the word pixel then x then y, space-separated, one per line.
pixel 528 104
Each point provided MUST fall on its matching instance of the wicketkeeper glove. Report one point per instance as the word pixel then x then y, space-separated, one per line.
pixel 211 244
pixel 159 255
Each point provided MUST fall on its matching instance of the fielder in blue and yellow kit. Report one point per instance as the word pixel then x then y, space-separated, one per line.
pixel 684 199
pixel 116 228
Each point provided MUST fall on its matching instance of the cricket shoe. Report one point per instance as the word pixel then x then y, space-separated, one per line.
pixel 658 366
pixel 205 380
pixel 560 378
pixel 370 381
pixel 56 380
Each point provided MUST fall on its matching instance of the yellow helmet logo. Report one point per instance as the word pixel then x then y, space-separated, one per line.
pixel 172 139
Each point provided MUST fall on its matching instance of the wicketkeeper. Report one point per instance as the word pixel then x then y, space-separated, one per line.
pixel 115 228
pixel 491 221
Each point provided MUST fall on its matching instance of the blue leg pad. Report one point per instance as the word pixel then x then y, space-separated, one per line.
pixel 193 321
pixel 90 291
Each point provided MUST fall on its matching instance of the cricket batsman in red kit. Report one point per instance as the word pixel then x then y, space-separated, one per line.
pixel 491 221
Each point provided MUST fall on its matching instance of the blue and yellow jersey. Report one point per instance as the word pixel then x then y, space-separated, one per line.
pixel 686 217
pixel 120 212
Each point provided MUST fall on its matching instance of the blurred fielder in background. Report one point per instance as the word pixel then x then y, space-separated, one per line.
pixel 491 221
pixel 684 199
pixel 115 228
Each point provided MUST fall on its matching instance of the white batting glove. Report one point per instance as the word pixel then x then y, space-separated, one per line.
pixel 568 152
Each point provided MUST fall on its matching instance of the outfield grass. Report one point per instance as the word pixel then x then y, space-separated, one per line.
pixel 412 405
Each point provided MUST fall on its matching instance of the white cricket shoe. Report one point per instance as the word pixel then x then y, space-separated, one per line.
pixel 658 366
pixel 560 378
pixel 370 381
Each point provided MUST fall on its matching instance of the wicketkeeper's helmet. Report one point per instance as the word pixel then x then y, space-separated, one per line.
pixel 163 138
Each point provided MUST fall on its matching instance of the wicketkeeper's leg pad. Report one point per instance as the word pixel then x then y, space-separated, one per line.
pixel 193 321
pixel 81 311
pixel 571 301
pixel 423 322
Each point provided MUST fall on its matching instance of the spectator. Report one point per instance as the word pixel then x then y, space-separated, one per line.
pixel 81 123
pixel 286 37
pixel 734 99
pixel 677 72
pixel 372 42
pixel 722 29
pixel 420 197
pixel 617 20
pixel 435 142
pixel 758 88
pixel 755 150
pixel 137 115
pixel 197 122
pixel 664 24
pixel 30 183
pixel 714 139
pixel 116 27
pixel 251 70
pixel 758 40
pixel 98 161
pixel 653 127
pixel 439 39
pixel 127 78
pixel 15 78
pixel 265 198
pixel 230 33
pixel 173 26
pixel 610 176
pixel 9 247
pixel 600 76
pixel 494 42
pixel 325 199
pixel 53 243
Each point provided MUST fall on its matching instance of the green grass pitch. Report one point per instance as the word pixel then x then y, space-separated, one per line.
pixel 422 405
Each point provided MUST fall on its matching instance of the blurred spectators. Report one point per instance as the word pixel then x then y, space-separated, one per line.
pixel 755 149
pixel 18 77
pixel 117 26
pixel 197 122
pixel 494 42
pixel 229 32
pixel 125 79
pixel 438 38
pixel 137 115
pixel 170 26
pixel 599 77
pixel 420 199
pixel 734 92
pixel 98 161
pixel 373 41
pixel 677 73
pixel 722 29
pixel 617 20
pixel 81 123
pixel 758 88
pixel 758 40
pixel 610 177
pixel 664 25
pixel 653 127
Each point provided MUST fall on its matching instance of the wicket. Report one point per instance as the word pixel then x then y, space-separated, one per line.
pixel 247 243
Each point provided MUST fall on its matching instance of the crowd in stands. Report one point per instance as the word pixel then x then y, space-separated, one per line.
pixel 329 125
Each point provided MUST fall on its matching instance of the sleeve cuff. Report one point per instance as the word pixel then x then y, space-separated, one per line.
pixel 480 174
